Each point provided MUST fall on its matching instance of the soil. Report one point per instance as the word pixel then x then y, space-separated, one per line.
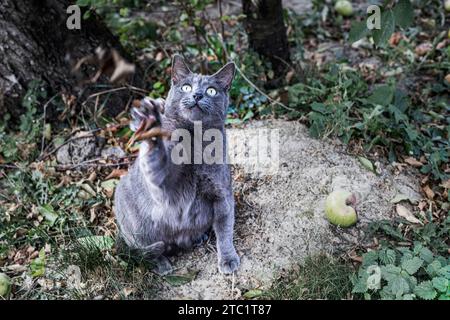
pixel 280 217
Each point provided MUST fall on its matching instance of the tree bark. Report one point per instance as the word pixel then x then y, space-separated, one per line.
pixel 267 32
pixel 35 44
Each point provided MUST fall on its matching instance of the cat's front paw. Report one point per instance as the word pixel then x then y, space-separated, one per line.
pixel 229 264
pixel 147 115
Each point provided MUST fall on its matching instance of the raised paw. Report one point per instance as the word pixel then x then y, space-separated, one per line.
pixel 229 264
pixel 148 115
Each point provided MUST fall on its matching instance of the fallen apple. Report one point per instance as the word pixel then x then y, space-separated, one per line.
pixel 344 8
pixel 5 285
pixel 339 208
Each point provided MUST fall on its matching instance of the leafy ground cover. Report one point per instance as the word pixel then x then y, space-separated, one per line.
pixel 387 98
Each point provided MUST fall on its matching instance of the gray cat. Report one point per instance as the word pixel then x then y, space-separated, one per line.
pixel 161 206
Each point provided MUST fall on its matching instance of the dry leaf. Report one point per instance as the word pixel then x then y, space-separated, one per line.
pixel 92 177
pixel 447 78
pixel 428 192
pixel 445 184
pixel 109 63
pixel 423 49
pixel 289 76
pixel 116 173
pixel 127 291
pixel 395 38
pixel 159 56
pixel 405 213
pixel 413 162
pixel 122 68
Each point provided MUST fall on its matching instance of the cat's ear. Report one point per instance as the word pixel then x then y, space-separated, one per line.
pixel 225 75
pixel 179 69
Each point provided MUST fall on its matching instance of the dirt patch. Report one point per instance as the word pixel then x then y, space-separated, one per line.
pixel 280 217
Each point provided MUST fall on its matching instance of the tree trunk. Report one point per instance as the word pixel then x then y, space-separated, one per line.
pixel 35 44
pixel 267 32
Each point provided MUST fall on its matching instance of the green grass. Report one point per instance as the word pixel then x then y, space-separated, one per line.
pixel 379 116
pixel 319 277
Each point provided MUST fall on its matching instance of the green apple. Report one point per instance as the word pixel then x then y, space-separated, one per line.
pixel 339 208
pixel 344 8
pixel 5 285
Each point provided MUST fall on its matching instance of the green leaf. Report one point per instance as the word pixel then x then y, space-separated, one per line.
pixel 425 290
pixel 440 283
pixel 255 293
pixel 248 115
pixel 37 266
pixel 381 95
pixel 399 286
pixel 360 286
pixel 412 265
pixel 83 3
pixel 358 31
pixel 370 258
pixel 426 255
pixel 180 279
pixel 99 242
pixel 380 37
pixel 49 213
pixel 390 272
pixel 433 268
pixel 367 164
pixel 444 272
pixel 404 13
pixel 387 256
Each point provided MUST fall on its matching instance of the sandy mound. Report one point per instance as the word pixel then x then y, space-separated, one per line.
pixel 280 219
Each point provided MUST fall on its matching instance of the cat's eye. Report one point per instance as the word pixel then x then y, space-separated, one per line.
pixel 211 92
pixel 186 88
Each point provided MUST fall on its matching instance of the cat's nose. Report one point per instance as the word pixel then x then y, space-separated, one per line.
pixel 198 96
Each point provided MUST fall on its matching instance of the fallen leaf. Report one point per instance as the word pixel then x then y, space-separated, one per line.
pixel 422 205
pixel 16 268
pixel 37 266
pixel 395 38
pixel 109 186
pixel 86 187
pixel 446 184
pixel 447 78
pixel 117 173
pixel 428 192
pixel 180 279
pixel 399 197
pixel 92 177
pixel 405 213
pixel 413 162
pixel 159 56
pixel 367 164
pixel 423 49
pixel 255 293
pixel 49 213
pixel 289 76
pixel 128 291
pixel 122 68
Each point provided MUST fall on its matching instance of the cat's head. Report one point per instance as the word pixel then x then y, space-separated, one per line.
pixel 195 97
